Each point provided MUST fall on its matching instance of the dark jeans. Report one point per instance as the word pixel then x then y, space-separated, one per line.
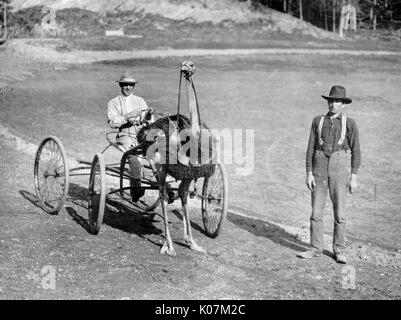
pixel 330 176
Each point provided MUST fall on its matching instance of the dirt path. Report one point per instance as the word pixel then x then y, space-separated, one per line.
pixel 251 259
pixel 45 50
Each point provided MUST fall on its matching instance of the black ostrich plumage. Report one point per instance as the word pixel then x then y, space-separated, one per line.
pixel 176 169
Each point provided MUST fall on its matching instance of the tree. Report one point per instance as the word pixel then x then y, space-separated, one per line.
pixel 4 4
pixel 326 24
pixel 374 14
pixel 300 10
pixel 326 13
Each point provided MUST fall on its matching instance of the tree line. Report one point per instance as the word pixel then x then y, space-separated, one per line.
pixel 371 14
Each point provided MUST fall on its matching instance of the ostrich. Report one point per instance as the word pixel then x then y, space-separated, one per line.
pixel 198 162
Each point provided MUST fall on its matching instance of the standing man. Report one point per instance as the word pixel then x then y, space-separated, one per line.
pixel 124 113
pixel 332 137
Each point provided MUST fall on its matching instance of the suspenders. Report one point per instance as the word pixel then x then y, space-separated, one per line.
pixel 343 130
pixel 319 130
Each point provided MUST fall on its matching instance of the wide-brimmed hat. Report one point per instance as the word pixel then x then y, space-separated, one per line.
pixel 338 93
pixel 127 77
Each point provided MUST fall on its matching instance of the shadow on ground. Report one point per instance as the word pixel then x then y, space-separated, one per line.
pixel 30 197
pixel 131 219
pixel 270 231
pixel 194 225
pixel 117 214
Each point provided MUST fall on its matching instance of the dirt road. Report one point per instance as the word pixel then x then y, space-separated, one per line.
pixel 51 50
pixel 251 259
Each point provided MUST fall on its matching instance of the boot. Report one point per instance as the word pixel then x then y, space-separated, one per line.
pixel 136 190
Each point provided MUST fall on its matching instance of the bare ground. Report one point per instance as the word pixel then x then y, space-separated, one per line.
pixel 253 258
pixel 58 51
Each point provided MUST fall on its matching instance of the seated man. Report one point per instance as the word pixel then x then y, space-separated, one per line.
pixel 124 113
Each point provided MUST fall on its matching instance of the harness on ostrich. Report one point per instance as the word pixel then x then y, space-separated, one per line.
pixel 185 145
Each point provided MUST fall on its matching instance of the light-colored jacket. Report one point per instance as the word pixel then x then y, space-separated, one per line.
pixel 119 107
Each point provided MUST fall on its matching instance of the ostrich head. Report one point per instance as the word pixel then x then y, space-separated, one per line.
pixel 188 68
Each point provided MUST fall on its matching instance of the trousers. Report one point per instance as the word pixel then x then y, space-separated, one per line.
pixel 135 163
pixel 331 177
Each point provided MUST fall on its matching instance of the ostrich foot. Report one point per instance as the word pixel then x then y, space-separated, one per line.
pixel 195 247
pixel 166 249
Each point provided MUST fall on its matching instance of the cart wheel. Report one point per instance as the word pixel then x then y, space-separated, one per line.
pixel 51 174
pixel 97 193
pixel 215 201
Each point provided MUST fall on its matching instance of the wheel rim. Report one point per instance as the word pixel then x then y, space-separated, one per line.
pixel 51 175
pixel 96 199
pixel 214 201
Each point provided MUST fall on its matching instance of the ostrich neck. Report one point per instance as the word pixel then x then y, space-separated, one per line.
pixel 193 108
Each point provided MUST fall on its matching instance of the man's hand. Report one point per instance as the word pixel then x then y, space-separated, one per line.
pixel 352 183
pixel 133 114
pixel 132 117
pixel 310 181
pixel 133 121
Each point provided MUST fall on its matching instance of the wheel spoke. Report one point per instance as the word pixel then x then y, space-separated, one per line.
pixel 49 153
pixel 53 159
pixel 216 183
pixel 41 184
pixel 47 158
pixel 54 154
pixel 42 167
pixel 57 188
pixel 46 192
pixel 60 166
pixel 51 187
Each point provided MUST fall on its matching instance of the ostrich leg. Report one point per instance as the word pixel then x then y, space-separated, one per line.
pixel 183 192
pixel 167 247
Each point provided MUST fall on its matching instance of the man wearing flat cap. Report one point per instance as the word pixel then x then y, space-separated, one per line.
pixel 333 139
pixel 125 113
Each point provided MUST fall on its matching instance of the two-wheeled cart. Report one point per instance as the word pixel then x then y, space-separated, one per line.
pixel 52 177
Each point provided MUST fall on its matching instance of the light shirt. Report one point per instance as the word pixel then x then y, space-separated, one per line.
pixel 120 106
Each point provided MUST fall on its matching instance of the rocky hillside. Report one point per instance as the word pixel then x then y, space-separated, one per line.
pixel 193 11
